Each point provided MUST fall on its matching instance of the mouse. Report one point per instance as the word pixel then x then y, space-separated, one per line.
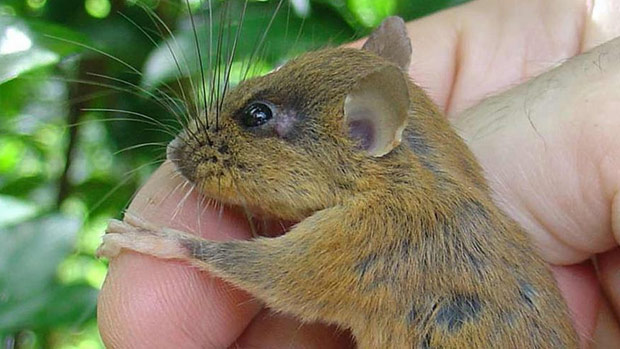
pixel 398 239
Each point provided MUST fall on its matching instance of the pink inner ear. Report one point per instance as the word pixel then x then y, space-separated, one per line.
pixel 363 131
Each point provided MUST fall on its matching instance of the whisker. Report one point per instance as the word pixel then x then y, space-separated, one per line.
pixel 95 50
pixel 149 119
pixel 200 67
pixel 232 54
pixel 264 36
pixel 143 90
pixel 143 31
pixel 217 77
pixel 126 178
pixel 138 146
pixel 155 20
pixel 204 204
pixel 181 203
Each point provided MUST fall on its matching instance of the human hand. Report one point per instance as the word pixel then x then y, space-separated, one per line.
pixel 559 183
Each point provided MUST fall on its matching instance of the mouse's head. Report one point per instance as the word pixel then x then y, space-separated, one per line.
pixel 305 136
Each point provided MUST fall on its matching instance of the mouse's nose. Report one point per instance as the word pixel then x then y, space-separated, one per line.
pixel 173 149
pixel 175 153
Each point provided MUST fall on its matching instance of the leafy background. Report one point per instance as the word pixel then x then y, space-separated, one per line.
pixel 67 166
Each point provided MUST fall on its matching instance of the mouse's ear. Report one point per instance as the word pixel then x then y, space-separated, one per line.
pixel 376 110
pixel 391 42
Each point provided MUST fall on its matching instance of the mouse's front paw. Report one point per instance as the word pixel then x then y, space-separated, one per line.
pixel 142 237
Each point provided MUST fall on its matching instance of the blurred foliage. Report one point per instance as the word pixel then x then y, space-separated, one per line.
pixel 83 80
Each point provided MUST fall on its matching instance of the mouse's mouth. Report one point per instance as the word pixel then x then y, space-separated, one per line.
pixel 225 194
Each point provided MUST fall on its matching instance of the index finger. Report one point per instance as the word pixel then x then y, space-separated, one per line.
pixel 147 302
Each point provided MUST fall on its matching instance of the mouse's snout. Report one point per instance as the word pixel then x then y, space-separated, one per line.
pixel 176 153
pixel 196 161
pixel 172 150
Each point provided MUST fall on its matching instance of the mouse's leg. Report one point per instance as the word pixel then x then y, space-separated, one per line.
pixel 302 272
pixel 140 236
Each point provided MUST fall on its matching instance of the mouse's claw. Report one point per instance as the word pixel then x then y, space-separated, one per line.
pixel 118 227
pixel 136 221
pixel 108 248
pixel 157 242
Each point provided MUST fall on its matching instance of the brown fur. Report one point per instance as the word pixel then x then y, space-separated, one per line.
pixel 405 250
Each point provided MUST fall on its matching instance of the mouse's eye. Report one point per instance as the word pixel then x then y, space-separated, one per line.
pixel 256 114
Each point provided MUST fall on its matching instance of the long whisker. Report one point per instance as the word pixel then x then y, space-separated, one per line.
pixel 217 77
pixel 150 38
pixel 86 122
pixel 109 86
pixel 143 90
pixel 169 129
pixel 232 54
pixel 155 19
pixel 142 145
pixel 200 67
pixel 126 178
pixel 132 68
pixel 264 36
pixel 149 120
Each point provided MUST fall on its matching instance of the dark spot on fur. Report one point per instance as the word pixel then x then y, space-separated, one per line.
pixel 419 145
pixel 405 249
pixel 458 310
pixel 527 293
pixel 472 210
pixel 474 258
pixel 365 264
pixel 412 314
pixel 471 220
pixel 426 342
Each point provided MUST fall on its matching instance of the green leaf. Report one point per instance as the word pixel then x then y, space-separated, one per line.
pixel 104 195
pixel 22 187
pixel 14 64
pixel 371 13
pixel 412 9
pixel 25 46
pixel 30 253
pixel 57 305
pixel 13 211
pixel 29 257
pixel 46 34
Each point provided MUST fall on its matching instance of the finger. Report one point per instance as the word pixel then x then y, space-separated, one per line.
pixel 269 330
pixel 467 53
pixel 579 286
pixel 601 23
pixel 463 55
pixel 609 270
pixel 146 302
pixel 551 152
pixel 607 333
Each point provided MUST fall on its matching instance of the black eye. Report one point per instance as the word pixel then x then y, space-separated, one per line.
pixel 256 114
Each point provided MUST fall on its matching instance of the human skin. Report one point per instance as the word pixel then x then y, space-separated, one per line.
pixel 549 149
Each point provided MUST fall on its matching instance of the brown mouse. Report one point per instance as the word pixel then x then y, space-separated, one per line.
pixel 398 238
